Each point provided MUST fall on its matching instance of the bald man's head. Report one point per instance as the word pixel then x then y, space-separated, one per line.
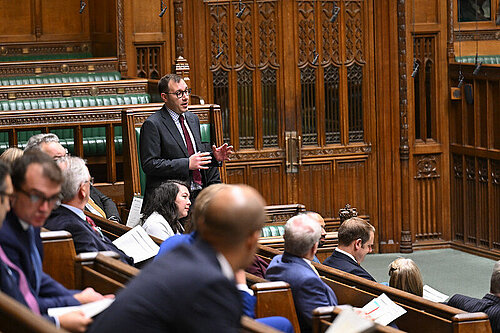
pixel 234 213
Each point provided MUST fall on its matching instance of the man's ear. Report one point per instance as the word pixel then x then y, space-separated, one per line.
pixel 253 239
pixel 358 244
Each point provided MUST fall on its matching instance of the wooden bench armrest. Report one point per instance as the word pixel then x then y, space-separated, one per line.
pixel 116 265
pixel 91 256
pixel 275 285
pixel 252 279
pixel 469 316
pixel 53 235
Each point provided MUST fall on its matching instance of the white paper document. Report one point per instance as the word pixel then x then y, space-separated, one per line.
pixel 134 216
pixel 137 244
pixel 382 310
pixel 350 322
pixel 89 309
pixel 433 295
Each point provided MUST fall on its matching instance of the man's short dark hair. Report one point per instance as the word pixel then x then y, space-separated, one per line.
pixel 164 81
pixel 4 171
pixel 50 168
pixel 354 228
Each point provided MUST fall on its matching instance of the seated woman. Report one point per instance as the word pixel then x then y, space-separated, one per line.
pixel 405 275
pixel 169 203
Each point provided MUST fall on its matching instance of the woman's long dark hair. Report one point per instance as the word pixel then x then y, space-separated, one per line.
pixel 162 201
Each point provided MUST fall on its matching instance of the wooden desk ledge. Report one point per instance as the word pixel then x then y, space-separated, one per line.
pixel 275 285
pixel 47 235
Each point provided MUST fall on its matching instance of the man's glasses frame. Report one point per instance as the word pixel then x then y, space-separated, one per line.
pixel 40 198
pixel 180 93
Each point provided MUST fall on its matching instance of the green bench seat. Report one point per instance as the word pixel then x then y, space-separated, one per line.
pixel 485 59
pixel 54 56
pixel 272 230
pixel 60 78
pixel 73 102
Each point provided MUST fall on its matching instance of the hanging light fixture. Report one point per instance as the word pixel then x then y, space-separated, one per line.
pixel 82 6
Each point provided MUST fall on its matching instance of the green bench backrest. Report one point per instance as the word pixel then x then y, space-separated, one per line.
pixel 272 230
pixel 73 102
pixel 485 59
pixel 55 56
pixel 205 138
pixel 60 78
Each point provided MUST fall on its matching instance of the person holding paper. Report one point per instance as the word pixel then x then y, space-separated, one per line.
pixel 405 275
pixel 302 235
pixel 36 181
pixel 356 238
pixel 171 146
pixel 169 203
pixel 70 216
pixel 489 304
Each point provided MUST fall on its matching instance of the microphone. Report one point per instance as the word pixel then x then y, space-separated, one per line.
pixel 162 9
pixel 477 69
pixel 219 54
pixel 460 79
pixel 315 60
pixel 416 65
pixel 241 10
pixel 335 13
pixel 82 6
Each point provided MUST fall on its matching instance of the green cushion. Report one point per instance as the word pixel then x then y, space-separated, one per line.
pixel 25 57
pixel 485 59
pixel 142 175
pixel 205 133
pixel 272 230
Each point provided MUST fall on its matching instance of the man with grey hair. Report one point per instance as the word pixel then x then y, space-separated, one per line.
pixel 75 192
pixel 98 203
pixel 489 304
pixel 302 236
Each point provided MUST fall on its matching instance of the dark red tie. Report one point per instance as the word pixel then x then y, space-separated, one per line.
pixel 189 144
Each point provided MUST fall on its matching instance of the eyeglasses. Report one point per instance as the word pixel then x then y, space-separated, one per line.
pixel 180 93
pixel 91 181
pixel 9 195
pixel 40 199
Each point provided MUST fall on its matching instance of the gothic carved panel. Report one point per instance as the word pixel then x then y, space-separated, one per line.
pixel 307 32
pixel 427 167
pixel 330 32
pixel 219 39
pixel 244 37
pixel 354 31
pixel 268 33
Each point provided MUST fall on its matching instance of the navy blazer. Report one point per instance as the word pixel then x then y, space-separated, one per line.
pixel 105 203
pixel 340 261
pixel 308 291
pixel 489 304
pixel 84 237
pixel 16 244
pixel 183 291
pixel 164 154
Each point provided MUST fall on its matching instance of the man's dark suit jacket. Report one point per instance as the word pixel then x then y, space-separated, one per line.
pixel 16 244
pixel 308 291
pixel 164 154
pixel 183 291
pixel 106 203
pixel 340 261
pixel 489 304
pixel 84 237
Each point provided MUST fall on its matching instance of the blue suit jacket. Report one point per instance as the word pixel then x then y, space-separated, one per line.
pixel 84 237
pixel 340 261
pixel 182 291
pixel 489 304
pixel 308 291
pixel 164 154
pixel 16 244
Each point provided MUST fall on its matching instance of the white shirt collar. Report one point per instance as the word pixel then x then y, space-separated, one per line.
pixel 307 260
pixel 75 210
pixel 347 254
pixel 226 268
pixel 24 225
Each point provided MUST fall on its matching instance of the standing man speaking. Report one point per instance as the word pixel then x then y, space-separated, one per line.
pixel 170 143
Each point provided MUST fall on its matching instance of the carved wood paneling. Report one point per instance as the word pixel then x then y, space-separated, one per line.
pixel 457 195
pixel 351 185
pixel 236 174
pixel 269 181
pixel 495 207
pixel 316 192
pixel 470 202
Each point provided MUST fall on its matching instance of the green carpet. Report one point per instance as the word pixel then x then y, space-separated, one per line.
pixel 449 271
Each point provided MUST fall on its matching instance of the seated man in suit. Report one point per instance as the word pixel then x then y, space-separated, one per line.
pixel 37 183
pixel 98 203
pixel 355 242
pixel 70 216
pixel 301 242
pixel 489 304
pixel 321 221
pixel 192 288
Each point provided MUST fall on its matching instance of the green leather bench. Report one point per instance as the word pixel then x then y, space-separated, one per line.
pixel 485 59
pixel 60 78
pixel 272 230
pixel 54 56
pixel 73 102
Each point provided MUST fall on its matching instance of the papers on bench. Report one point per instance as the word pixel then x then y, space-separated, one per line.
pixel 349 321
pixel 134 216
pixel 382 310
pixel 433 295
pixel 89 309
pixel 137 244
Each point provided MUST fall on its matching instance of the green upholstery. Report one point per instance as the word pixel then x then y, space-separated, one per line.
pixel 272 230
pixel 142 175
pixel 55 56
pixel 73 102
pixel 205 133
pixel 60 78
pixel 485 59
